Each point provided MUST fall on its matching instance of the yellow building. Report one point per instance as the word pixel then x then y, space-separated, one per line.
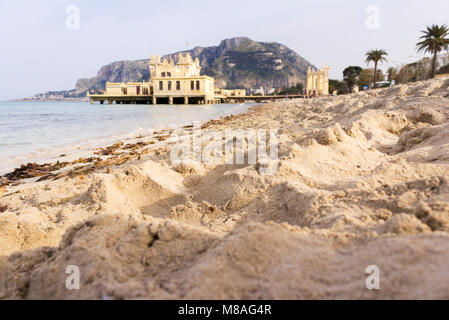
pixel 128 89
pixel 229 93
pixel 180 83
pixel 317 82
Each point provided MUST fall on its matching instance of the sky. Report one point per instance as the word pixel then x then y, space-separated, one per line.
pixel 43 47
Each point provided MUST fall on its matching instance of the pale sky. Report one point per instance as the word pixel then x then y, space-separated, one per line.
pixel 38 53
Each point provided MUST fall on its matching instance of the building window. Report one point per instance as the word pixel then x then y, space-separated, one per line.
pixel 163 74
pixel 169 85
pixel 178 85
pixel 125 91
pixel 197 85
pixel 168 74
pixel 192 85
pixel 161 85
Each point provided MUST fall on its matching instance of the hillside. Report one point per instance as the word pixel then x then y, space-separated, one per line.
pixel 236 62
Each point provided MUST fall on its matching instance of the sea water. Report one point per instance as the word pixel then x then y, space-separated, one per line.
pixel 38 131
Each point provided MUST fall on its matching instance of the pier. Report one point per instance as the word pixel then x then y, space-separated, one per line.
pixel 177 100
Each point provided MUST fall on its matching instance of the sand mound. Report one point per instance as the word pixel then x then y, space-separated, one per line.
pixel 362 180
pixel 138 188
pixel 165 260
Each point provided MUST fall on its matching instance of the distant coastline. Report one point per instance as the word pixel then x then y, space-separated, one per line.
pixel 54 96
pixel 83 99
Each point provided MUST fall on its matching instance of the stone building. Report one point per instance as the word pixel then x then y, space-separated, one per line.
pixel 317 82
pixel 170 82
pixel 229 93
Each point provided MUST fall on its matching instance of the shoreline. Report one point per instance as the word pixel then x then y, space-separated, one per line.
pixel 31 172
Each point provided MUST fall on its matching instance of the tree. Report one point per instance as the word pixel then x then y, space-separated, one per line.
pixel 293 90
pixel 392 74
pixel 336 85
pixel 350 75
pixel 366 77
pixel 380 75
pixel 300 87
pixel 434 40
pixel 415 71
pixel 404 75
pixel 421 71
pixel 376 56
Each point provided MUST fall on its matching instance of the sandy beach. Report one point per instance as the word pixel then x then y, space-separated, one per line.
pixel 362 180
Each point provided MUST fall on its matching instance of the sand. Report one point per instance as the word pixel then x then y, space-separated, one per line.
pixel 363 180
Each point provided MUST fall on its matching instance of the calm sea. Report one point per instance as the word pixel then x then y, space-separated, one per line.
pixel 35 131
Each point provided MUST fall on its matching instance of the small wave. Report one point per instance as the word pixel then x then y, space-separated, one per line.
pixel 15 144
pixel 80 128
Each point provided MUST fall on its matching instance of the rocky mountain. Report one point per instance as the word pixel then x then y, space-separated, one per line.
pixel 235 63
pixel 121 71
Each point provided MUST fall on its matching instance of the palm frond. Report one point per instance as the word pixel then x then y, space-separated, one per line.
pixel 375 56
pixel 434 39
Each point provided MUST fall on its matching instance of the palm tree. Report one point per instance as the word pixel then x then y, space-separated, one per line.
pixel 434 40
pixel 376 56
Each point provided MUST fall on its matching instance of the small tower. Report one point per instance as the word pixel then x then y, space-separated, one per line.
pixel 318 81
pixel 155 62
